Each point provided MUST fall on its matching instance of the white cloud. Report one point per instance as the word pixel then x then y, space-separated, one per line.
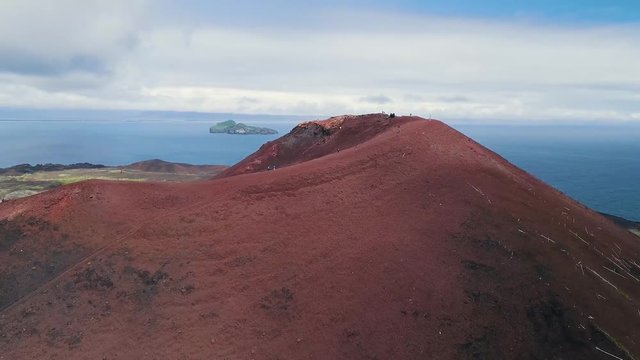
pixel 337 63
pixel 57 31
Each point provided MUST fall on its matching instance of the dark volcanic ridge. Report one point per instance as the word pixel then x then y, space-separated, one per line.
pixel 622 221
pixel 30 169
pixel 315 139
pixel 374 237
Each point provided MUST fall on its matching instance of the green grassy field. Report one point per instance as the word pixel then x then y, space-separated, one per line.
pixel 12 187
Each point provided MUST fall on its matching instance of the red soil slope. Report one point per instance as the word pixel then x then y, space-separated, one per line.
pixel 411 242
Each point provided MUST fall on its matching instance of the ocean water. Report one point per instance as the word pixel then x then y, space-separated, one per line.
pixel 124 142
pixel 597 165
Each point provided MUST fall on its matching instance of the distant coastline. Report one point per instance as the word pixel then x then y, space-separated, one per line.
pixel 632 226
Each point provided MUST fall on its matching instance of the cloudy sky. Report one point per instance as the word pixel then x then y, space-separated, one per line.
pixel 492 60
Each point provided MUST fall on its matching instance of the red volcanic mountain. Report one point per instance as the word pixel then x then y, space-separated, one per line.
pixel 374 237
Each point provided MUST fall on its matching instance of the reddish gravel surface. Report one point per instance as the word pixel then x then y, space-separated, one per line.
pixel 383 238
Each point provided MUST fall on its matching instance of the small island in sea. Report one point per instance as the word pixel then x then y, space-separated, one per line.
pixel 232 127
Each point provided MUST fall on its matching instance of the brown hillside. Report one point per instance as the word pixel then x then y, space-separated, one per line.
pixel 410 242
